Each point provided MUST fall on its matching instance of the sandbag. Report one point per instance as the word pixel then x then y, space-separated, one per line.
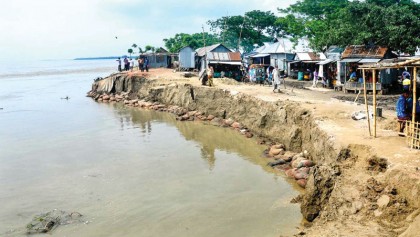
pixel 274 152
pixel 278 146
pixel 277 162
pixel 290 173
pixel 284 167
pixel 297 161
pixel 305 163
pixel 302 182
pixel 299 174
pixel 305 169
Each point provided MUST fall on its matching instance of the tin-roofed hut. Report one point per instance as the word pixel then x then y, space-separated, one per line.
pixel 356 55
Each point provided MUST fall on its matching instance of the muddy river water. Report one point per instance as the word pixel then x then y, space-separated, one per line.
pixel 129 172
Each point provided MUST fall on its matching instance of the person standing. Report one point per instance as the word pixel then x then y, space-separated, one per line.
pixel 270 74
pixel 126 64
pixel 138 62
pixel 315 79
pixel 141 64
pixel 401 109
pixel 276 79
pixel 119 64
pixel 146 64
pixel 210 73
pixel 131 64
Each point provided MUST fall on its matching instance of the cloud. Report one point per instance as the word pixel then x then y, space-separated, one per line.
pixel 78 28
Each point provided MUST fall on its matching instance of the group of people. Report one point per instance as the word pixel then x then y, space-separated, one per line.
pixel 129 64
pixel 270 75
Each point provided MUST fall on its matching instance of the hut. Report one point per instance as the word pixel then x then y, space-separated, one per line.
pixel 328 69
pixel 202 52
pixel 278 53
pixel 186 58
pixel 356 55
pixel 304 64
pixel 160 58
pixel 226 64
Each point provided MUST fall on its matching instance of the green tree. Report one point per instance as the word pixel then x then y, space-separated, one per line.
pixel 342 23
pixel 134 46
pixel 195 41
pixel 149 48
pixel 255 27
pixel 130 51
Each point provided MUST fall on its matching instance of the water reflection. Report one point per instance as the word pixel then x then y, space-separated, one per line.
pixel 210 138
pixel 208 155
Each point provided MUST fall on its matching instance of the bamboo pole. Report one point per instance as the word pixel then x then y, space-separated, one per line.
pixel 413 113
pixel 374 103
pixel 366 101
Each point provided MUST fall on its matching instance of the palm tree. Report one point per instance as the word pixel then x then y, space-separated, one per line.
pixel 134 46
pixel 130 51
pixel 140 50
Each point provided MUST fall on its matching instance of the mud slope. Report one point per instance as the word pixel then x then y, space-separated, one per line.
pixel 350 191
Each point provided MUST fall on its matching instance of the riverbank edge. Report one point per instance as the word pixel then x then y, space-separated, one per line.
pixel 287 122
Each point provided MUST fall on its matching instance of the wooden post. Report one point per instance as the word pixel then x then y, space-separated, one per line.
pixel 413 114
pixel 374 102
pixel 366 101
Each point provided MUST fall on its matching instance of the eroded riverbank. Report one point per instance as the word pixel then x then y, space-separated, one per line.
pixel 348 193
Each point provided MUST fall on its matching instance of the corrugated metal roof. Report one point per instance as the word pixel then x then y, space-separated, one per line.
pixel 216 56
pixel 285 45
pixel 350 60
pixel 202 51
pixel 260 55
pixel 370 60
pixel 362 51
pixel 310 56
pixel 326 61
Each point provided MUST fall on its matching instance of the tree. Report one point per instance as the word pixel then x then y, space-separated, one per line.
pixel 342 23
pixel 140 50
pixel 130 51
pixel 255 27
pixel 150 48
pixel 134 46
pixel 194 41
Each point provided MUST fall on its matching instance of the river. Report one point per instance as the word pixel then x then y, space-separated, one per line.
pixel 130 172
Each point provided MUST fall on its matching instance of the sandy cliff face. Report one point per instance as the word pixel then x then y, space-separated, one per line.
pixel 347 191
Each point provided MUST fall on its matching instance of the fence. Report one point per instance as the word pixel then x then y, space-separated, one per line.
pixel 413 134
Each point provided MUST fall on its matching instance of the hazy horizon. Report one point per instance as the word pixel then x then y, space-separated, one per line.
pixel 52 30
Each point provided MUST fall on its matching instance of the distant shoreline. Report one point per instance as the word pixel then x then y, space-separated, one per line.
pixel 98 58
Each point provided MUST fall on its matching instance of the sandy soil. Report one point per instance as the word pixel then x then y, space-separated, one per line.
pixel 334 117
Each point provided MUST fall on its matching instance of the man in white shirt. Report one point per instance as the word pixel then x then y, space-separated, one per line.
pixel 276 79
pixel 131 64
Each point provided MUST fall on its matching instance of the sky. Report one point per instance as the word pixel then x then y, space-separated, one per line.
pixel 66 29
